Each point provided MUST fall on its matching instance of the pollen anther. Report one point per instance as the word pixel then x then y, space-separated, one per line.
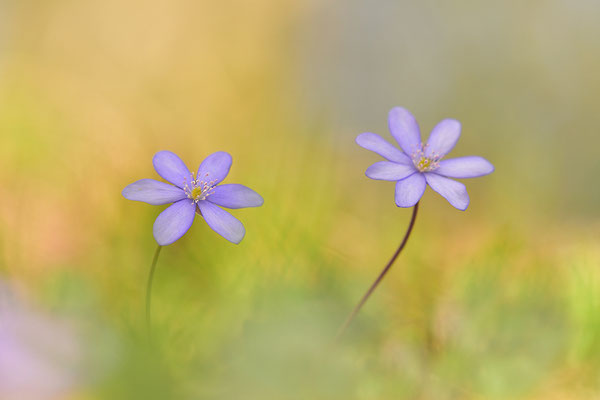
pixel 425 163
pixel 197 189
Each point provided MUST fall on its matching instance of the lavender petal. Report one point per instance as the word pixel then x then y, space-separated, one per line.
pixel 174 222
pixel 405 129
pixel 442 138
pixel 389 171
pixel 222 222
pixel 377 144
pixel 465 167
pixel 153 192
pixel 453 191
pixel 170 167
pixel 410 190
pixel 214 168
pixel 235 196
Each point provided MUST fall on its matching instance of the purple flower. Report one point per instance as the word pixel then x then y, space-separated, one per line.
pixel 418 165
pixel 190 195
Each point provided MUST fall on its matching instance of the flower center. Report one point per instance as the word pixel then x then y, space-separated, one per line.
pixel 425 163
pixel 199 189
pixel 196 192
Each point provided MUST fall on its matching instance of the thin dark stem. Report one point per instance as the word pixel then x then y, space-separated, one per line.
pixel 381 275
pixel 149 289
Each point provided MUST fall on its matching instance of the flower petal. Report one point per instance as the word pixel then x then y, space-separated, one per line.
pixel 410 190
pixel 172 223
pixel 234 195
pixel 169 166
pixel 214 167
pixel 389 171
pixel 443 137
pixel 453 191
pixel 374 142
pixel 222 222
pixel 465 167
pixel 404 129
pixel 153 192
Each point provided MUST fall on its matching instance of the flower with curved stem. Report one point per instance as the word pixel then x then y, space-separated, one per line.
pixel 191 194
pixel 416 165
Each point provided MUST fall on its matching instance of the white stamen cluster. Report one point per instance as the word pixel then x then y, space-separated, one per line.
pixel 199 188
pixel 425 163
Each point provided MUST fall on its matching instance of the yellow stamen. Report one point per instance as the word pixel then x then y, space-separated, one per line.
pixel 196 192
pixel 424 163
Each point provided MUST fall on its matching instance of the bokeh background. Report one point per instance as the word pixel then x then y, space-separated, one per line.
pixel 499 302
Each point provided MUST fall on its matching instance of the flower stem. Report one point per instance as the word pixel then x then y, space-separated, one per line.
pixel 381 275
pixel 149 289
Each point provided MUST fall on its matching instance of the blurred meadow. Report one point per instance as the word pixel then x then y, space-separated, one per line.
pixel 501 301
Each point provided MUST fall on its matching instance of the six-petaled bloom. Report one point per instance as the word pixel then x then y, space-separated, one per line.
pixel 191 194
pixel 418 165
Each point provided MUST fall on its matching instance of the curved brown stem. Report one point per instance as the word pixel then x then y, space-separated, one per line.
pixel 381 275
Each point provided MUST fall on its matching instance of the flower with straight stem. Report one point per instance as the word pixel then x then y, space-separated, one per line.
pixel 416 165
pixel 190 194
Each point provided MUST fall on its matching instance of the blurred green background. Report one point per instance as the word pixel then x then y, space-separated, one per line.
pixel 499 302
